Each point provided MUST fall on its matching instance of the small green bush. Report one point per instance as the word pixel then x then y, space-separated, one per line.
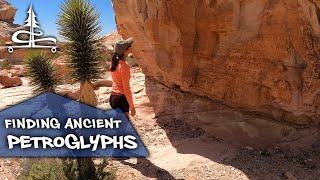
pixel 71 170
pixel 5 64
pixel 2 43
pixel 60 169
pixel 41 72
pixel 102 174
pixel 42 169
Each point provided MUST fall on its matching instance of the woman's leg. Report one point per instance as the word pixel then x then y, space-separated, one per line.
pixel 117 101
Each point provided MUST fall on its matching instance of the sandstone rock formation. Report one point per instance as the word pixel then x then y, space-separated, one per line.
pixel 258 55
pixel 255 56
pixel 109 39
pixel 7 28
pixel 7 13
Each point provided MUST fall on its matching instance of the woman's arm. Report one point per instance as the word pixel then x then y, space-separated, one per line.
pixel 125 76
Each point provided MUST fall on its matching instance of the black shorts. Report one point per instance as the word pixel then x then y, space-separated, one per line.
pixel 119 101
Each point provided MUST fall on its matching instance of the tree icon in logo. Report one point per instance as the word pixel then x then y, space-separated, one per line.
pixel 34 35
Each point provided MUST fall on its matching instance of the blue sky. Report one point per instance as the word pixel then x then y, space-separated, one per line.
pixel 47 11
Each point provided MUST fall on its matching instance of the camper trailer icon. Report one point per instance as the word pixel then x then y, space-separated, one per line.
pixel 35 35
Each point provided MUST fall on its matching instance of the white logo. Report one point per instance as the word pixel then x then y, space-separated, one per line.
pixel 32 23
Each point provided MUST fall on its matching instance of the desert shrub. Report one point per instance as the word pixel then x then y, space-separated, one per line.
pixel 60 169
pixel 41 72
pixel 46 52
pixel 5 64
pixel 71 170
pixel 42 169
pixel 2 43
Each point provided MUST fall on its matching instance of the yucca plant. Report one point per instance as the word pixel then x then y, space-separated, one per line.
pixel 79 25
pixel 41 72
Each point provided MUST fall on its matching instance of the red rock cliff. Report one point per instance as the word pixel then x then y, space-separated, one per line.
pixel 7 13
pixel 256 55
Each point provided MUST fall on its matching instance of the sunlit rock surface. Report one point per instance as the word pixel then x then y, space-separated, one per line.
pixel 254 56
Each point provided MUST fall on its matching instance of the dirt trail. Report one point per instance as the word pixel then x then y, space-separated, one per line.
pixel 178 151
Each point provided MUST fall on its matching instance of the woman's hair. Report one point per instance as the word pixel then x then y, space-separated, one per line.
pixel 115 61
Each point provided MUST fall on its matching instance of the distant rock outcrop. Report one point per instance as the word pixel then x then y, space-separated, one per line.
pixel 109 39
pixel 7 14
pixel 7 28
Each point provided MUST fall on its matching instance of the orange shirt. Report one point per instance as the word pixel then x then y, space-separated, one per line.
pixel 121 81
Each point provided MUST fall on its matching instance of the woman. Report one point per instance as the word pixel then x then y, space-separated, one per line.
pixel 121 96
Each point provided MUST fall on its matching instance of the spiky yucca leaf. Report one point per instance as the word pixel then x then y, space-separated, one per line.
pixel 41 72
pixel 79 25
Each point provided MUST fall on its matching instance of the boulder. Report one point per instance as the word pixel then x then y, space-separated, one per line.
pixel 17 70
pixel 257 55
pixel 7 82
pixel 4 72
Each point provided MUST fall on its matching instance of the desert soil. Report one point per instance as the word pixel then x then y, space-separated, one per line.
pixel 179 151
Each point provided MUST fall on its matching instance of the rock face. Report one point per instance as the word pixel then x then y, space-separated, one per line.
pixel 222 121
pixel 255 56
